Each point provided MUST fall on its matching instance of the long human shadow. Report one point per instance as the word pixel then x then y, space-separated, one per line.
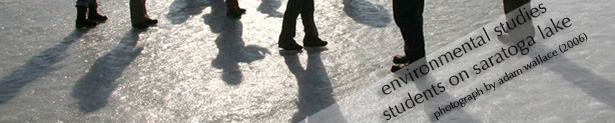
pixel 232 49
pixel 519 31
pixel 270 7
pixel 181 10
pixel 315 90
pixel 424 83
pixel 37 66
pixel 93 89
pixel 217 18
pixel 364 12
pixel 598 87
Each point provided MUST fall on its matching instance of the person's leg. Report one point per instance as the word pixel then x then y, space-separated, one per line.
pixel 93 12
pixel 311 38
pixel 239 9
pixel 82 3
pixel 307 17
pixel 232 5
pixel 82 8
pixel 137 14
pixel 510 5
pixel 233 10
pixel 289 22
pixel 148 21
pixel 408 17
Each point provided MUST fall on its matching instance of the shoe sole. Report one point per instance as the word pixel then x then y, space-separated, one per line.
pixel 398 60
pixel 82 26
pixel 289 49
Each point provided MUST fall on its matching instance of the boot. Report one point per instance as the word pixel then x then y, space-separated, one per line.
pixel 314 43
pixel 242 10
pixel 399 59
pixel 235 12
pixel 289 45
pixel 141 25
pixel 93 13
pixel 150 22
pixel 397 67
pixel 81 21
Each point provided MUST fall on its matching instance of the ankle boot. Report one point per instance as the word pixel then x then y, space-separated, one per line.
pixel 93 13
pixel 317 42
pixel 289 44
pixel 150 22
pixel 141 25
pixel 400 59
pixel 81 21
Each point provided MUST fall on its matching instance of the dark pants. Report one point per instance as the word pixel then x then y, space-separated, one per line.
pixel 510 5
pixel 138 13
pixel 232 5
pixel 408 16
pixel 293 9
pixel 85 3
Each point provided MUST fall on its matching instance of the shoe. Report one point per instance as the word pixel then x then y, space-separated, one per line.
pixel 397 67
pixel 81 22
pixel 141 25
pixel 399 59
pixel 235 13
pixel 97 18
pixel 150 22
pixel 289 45
pixel 314 43
pixel 241 11
pixel 93 13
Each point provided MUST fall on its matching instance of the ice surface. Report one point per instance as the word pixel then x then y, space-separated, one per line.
pixel 199 66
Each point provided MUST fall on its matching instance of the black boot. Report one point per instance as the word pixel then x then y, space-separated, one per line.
pixel 141 25
pixel 93 13
pixel 317 42
pixel 242 10
pixel 81 21
pixel 399 59
pixel 289 45
pixel 397 67
pixel 235 13
pixel 150 22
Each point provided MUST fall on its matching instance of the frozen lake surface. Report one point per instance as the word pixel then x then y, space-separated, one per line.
pixel 197 65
